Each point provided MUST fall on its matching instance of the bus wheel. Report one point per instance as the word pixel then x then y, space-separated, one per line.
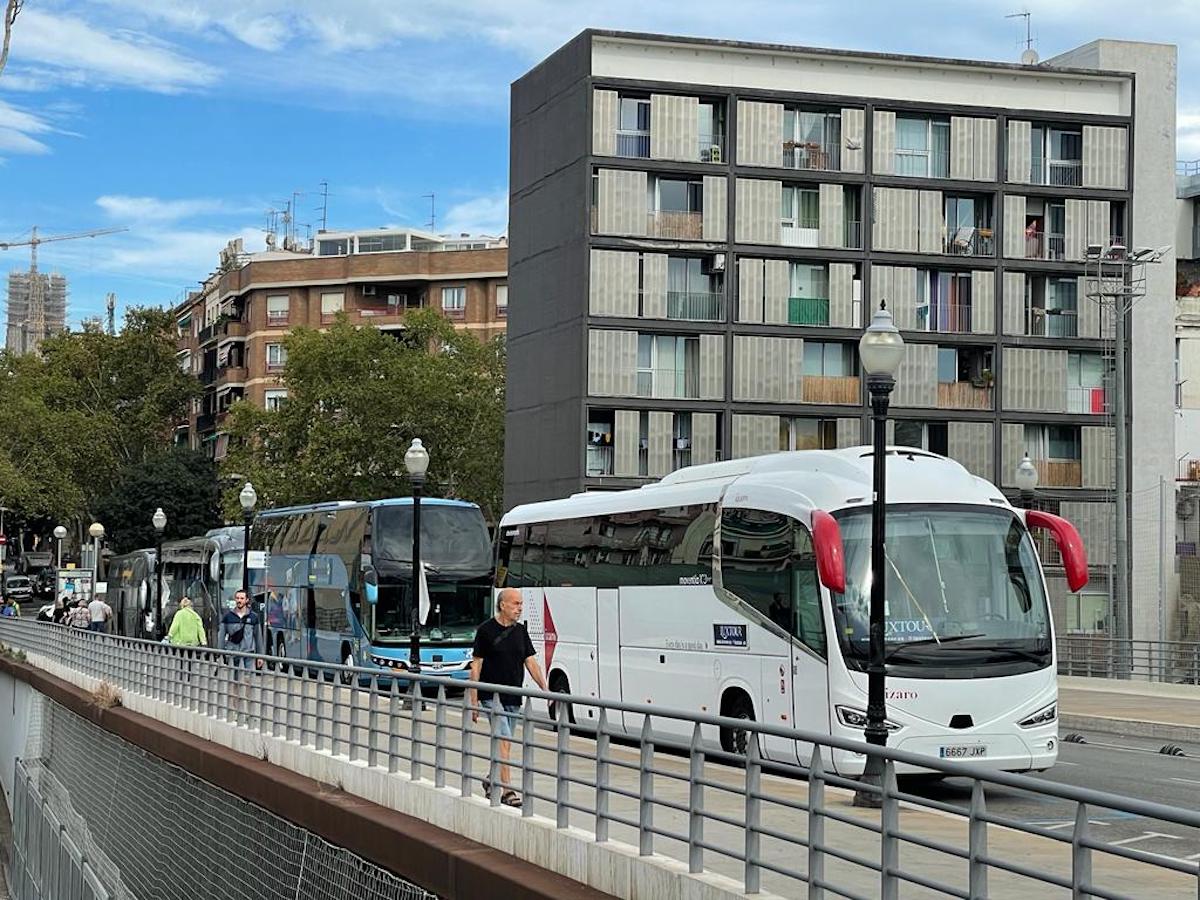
pixel 736 705
pixel 560 685
pixel 347 661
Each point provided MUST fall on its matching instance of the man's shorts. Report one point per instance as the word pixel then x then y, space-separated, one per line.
pixel 505 716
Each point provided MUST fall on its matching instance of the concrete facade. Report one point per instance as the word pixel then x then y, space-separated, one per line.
pixel 700 231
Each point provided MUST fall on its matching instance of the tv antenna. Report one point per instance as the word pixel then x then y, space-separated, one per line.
pixel 432 210
pixel 324 205
pixel 1029 56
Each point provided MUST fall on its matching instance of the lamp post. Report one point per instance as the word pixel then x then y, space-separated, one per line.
pixel 96 530
pixel 1027 480
pixel 59 534
pixel 416 461
pixel 880 350
pixel 159 520
pixel 248 498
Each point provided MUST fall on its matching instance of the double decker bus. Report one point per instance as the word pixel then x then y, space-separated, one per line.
pixel 742 588
pixel 313 587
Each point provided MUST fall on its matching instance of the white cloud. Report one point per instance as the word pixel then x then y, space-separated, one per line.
pixel 18 127
pixel 154 209
pixel 486 214
pixel 1187 134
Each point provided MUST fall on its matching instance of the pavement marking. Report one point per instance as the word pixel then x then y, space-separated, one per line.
pixel 1070 824
pixel 1144 836
pixel 1186 780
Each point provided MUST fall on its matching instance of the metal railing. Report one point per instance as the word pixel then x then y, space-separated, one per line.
pixel 695 306
pixel 923 163
pixel 1041 322
pixel 968 241
pixel 1045 245
pixel 818 156
pixel 1056 172
pixel 952 318
pixel 711 148
pixel 669 383
pixel 599 460
pixel 1102 656
pixel 1187 167
pixel 808 311
pixel 1087 401
pixel 635 144
pixel 805 233
pixel 666 791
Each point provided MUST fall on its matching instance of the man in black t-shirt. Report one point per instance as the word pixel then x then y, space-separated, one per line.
pixel 502 654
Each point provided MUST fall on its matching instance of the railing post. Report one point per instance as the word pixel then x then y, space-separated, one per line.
pixel 527 758
pixel 496 789
pixel 562 767
pixel 646 791
pixel 696 804
pixel 439 738
pixel 393 731
pixel 602 774
pixel 373 723
pixel 977 840
pixel 816 826
pixel 464 749
pixel 889 844
pixel 1081 855
pixel 414 752
pixel 753 874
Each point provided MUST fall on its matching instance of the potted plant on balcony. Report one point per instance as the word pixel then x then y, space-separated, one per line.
pixel 984 379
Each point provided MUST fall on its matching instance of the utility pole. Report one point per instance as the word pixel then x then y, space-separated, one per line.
pixel 110 305
pixel 324 205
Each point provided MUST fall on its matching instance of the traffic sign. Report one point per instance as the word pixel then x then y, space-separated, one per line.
pixel 3 540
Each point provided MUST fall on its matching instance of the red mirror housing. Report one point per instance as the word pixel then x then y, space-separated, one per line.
pixel 1070 545
pixel 831 555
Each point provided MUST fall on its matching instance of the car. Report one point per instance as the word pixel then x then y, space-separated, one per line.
pixel 19 587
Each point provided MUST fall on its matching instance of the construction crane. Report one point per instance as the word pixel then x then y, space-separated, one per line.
pixel 35 314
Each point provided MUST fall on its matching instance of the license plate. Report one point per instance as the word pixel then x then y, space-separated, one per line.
pixel 963 751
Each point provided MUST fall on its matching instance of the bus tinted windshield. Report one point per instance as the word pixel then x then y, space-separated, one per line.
pixel 452 537
pixel 964 588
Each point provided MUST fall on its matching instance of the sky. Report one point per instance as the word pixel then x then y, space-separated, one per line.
pixel 186 121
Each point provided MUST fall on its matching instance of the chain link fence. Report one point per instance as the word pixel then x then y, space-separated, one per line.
pixel 97 818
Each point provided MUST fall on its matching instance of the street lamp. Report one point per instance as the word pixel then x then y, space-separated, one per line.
pixel 59 533
pixel 880 349
pixel 159 520
pixel 416 461
pixel 96 530
pixel 1027 480
pixel 248 498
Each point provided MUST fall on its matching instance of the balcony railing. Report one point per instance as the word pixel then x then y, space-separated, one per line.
pixel 1057 172
pixel 963 395
pixel 635 144
pixel 695 307
pixel 274 320
pixel 1051 322
pixel 923 163
pixel 681 457
pixel 232 375
pixel 668 384
pixel 1188 469
pixel 802 234
pixel 969 241
pixel 951 318
pixel 808 311
pixel 1059 472
pixel 711 148
pixel 682 226
pixel 599 460
pixel 818 156
pixel 1045 245
pixel 1091 401
pixel 832 389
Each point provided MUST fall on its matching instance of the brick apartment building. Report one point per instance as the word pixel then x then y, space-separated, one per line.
pixel 231 331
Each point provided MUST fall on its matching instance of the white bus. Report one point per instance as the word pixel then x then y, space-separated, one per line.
pixel 741 588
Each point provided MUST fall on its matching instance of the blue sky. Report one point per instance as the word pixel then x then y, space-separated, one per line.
pixel 186 121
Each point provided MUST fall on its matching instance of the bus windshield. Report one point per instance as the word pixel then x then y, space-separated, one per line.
pixel 456 609
pixel 964 589
pixel 452 537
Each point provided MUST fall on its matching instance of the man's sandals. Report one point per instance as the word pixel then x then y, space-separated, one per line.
pixel 508 798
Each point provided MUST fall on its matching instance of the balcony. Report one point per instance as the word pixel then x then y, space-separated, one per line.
pixel 711 148
pixel 1059 472
pixel 1057 172
pixel 808 311
pixel 208 376
pixel 813 156
pixel 232 375
pixel 1045 245
pixel 633 144
pixel 1090 401
pixel 805 234
pixel 695 307
pixel 951 318
pixel 1051 322
pixel 681 457
pixel 853 234
pixel 668 384
pixel 277 320
pixel 841 389
pixel 968 241
pixel 923 163
pixel 963 395
pixel 599 461
pixel 679 226
pixel 206 422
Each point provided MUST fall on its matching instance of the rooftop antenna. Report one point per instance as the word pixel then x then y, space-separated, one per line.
pixel 324 205
pixel 1029 56
pixel 432 211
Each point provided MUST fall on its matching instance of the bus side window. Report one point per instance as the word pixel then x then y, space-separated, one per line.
pixel 806 591
pixel 534 557
pixel 509 556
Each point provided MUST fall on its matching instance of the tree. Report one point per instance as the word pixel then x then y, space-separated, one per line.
pixel 356 398
pixel 12 9
pixel 182 481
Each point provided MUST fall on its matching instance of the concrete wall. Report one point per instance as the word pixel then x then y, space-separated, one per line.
pixel 17 701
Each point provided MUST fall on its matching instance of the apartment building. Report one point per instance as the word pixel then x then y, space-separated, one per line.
pixel 701 229
pixel 231 332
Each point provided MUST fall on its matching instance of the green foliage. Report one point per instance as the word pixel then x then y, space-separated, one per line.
pixel 356 398
pixel 182 481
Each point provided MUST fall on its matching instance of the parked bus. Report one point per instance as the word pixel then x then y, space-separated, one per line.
pixel 741 588
pixel 131 591
pixel 312 589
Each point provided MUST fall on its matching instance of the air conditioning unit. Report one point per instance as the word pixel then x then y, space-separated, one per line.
pixel 713 264
pixel 369 290
pixel 714 153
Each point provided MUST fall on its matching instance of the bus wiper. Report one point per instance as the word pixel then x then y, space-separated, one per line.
pixel 944 640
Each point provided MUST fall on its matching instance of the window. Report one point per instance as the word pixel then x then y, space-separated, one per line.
pixel 931 436
pixel 822 358
pixel 276 356
pixel 1053 442
pixel 333 247
pixel 332 303
pixel 273 400
pixel 633 129
pixel 947 365
pixel 381 243
pixel 668 366
pixel 797 433
pixel 1086 377
pixel 692 293
pixel 969 225
pixel 1087 612
pixel 812 139
pixel 502 299
pixel 184 358
pixel 1056 155
pixel 808 294
pixel 711 129
pixel 454 300
pixel 922 147
pixel 675 195
pixel 945 303
pixel 801 209
pixel 767 562
pixel 277 309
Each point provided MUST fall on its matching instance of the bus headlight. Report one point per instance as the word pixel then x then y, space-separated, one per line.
pixel 1043 716
pixel 856 718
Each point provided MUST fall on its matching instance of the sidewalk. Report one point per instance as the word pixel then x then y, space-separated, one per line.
pixel 1134 708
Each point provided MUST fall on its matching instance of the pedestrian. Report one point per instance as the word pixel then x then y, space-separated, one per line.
pixel 60 610
pixel 100 612
pixel 187 628
pixel 502 654
pixel 8 609
pixel 79 617
pixel 239 630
